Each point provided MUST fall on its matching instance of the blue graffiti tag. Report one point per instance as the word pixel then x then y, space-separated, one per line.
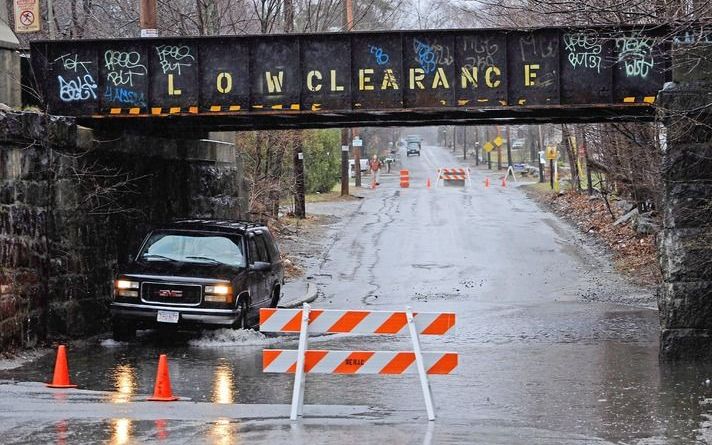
pixel 425 56
pixel 124 96
pixel 381 57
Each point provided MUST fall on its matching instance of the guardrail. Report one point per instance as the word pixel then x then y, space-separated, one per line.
pixel 307 321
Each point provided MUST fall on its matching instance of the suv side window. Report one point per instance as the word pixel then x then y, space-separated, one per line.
pixel 272 247
pixel 252 246
pixel 262 248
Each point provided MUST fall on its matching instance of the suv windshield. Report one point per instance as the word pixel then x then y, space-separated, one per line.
pixel 194 248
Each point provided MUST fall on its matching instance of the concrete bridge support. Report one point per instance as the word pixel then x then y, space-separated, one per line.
pixel 685 243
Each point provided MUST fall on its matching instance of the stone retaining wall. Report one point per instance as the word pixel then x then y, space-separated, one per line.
pixel 73 208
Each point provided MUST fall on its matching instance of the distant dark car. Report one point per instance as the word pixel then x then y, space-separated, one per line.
pixel 413 148
pixel 198 273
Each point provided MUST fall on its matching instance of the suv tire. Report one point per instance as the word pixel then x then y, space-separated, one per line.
pixel 275 296
pixel 242 322
pixel 123 330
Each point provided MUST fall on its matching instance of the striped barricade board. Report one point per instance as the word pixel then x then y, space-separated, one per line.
pixel 357 362
pixel 303 361
pixel 355 322
pixel 454 174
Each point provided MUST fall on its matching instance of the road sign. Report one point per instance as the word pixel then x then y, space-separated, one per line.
pixel 357 142
pixel 551 153
pixel 488 147
pixel 27 13
pixel 498 140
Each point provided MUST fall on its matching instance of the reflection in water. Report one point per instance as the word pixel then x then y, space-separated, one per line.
pixel 61 429
pixel 224 384
pixel 161 432
pixel 223 432
pixel 125 383
pixel 59 396
pixel 120 431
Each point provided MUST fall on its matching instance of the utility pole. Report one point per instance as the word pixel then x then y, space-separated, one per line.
pixel 357 158
pixel 499 153
pixel 300 210
pixel 477 146
pixel 581 139
pixel 509 148
pixel 345 161
pixel 454 138
pixel 540 140
pixel 348 21
pixel 489 153
pixel 464 143
pixel 148 18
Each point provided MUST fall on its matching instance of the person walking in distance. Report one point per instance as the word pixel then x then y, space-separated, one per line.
pixel 374 165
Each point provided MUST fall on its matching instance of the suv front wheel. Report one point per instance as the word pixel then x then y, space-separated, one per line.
pixel 242 322
pixel 275 296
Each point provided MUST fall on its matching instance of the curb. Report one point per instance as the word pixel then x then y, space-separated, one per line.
pixel 309 296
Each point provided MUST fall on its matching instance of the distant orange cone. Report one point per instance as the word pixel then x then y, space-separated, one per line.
pixel 486 183
pixel 61 370
pixel 162 390
pixel 504 182
pixel 427 183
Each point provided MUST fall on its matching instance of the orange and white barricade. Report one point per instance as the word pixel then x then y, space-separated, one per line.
pixel 454 174
pixel 308 321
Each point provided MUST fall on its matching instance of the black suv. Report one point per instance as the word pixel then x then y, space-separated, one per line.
pixel 198 272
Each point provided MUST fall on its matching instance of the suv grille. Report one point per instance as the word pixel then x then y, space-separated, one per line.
pixel 171 293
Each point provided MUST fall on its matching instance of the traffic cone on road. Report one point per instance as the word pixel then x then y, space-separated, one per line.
pixel 427 183
pixel 162 390
pixel 61 370
pixel 487 182
pixel 504 182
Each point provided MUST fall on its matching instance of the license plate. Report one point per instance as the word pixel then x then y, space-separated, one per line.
pixel 167 317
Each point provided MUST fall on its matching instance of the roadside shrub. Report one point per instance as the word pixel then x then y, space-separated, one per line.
pixel 322 160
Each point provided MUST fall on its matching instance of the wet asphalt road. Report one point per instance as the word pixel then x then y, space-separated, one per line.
pixel 539 362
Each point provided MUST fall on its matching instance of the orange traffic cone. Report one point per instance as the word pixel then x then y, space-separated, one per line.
pixel 162 390
pixel 487 182
pixel 504 182
pixel 427 183
pixel 61 370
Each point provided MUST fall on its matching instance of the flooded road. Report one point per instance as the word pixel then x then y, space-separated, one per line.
pixel 552 348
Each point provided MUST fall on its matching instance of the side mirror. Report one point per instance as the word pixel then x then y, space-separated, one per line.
pixel 260 266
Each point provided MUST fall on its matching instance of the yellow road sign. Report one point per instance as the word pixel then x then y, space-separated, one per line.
pixel 498 140
pixel 488 147
pixel 551 153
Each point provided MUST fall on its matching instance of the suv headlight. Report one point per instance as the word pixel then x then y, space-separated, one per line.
pixel 126 288
pixel 219 293
pixel 126 284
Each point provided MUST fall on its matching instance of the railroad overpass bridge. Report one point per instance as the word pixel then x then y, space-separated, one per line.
pixel 371 78
pixel 186 86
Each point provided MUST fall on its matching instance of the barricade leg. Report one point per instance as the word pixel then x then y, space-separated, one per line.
pixel 298 392
pixel 424 384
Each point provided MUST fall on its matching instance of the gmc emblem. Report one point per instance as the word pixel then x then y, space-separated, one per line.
pixel 170 293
